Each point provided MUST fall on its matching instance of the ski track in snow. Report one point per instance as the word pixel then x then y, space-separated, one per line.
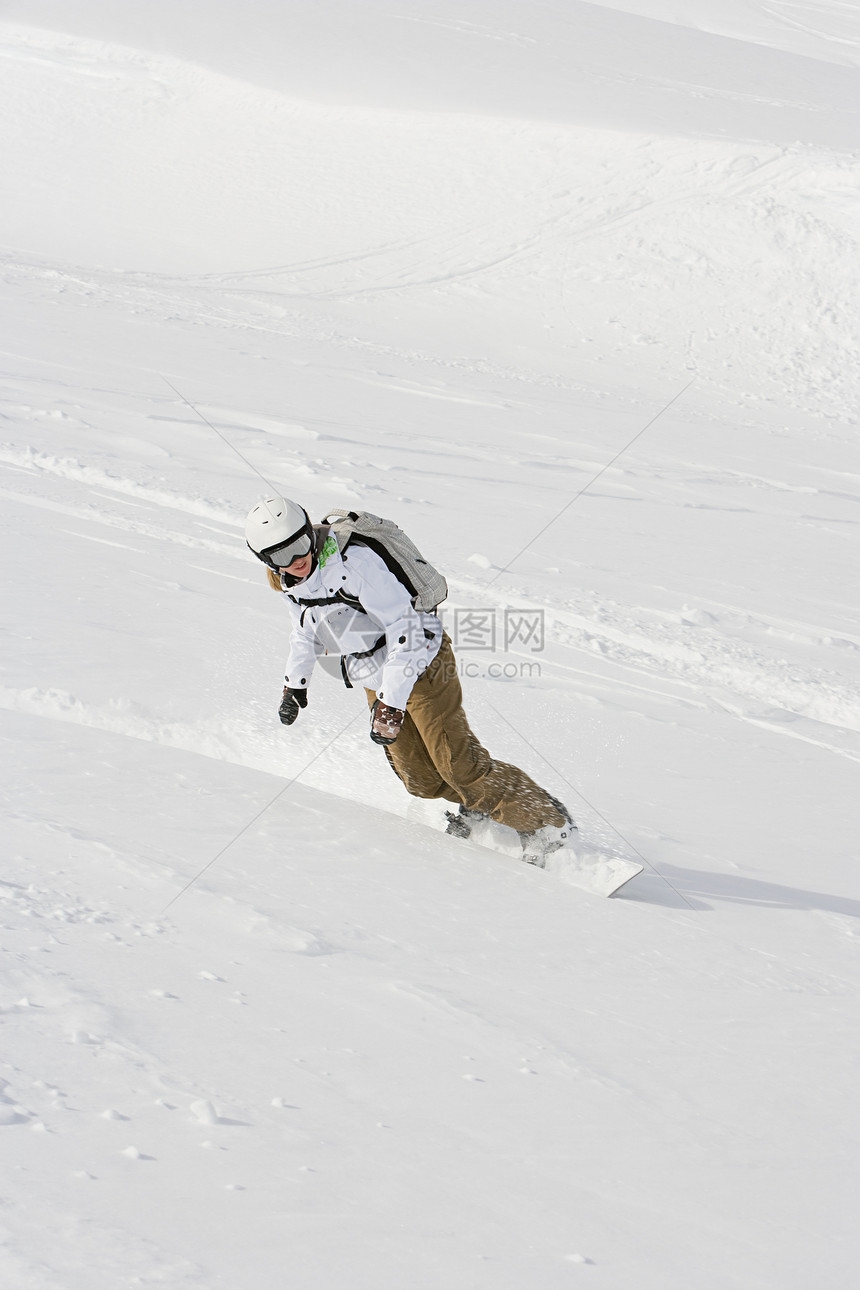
pixel 717 652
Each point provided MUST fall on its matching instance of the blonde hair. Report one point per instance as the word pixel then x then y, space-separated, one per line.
pixel 274 580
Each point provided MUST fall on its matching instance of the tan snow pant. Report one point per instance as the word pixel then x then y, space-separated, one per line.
pixel 437 755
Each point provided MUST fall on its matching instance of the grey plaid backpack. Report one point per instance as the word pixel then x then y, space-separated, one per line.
pixel 425 584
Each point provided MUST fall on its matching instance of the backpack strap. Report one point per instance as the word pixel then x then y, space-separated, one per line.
pixel 339 598
pixel 366 653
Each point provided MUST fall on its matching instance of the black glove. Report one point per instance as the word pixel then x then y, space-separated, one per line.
pixel 385 723
pixel 290 704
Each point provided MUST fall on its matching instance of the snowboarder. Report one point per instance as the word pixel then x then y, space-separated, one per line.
pixel 350 604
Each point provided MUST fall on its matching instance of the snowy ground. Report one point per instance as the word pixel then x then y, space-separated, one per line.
pixel 442 261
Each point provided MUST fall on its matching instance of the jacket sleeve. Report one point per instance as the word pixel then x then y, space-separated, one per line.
pixel 302 653
pixel 385 599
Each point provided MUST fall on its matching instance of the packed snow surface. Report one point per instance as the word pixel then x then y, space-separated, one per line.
pixel 571 291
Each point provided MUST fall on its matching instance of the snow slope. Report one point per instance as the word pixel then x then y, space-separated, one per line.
pixel 263 1027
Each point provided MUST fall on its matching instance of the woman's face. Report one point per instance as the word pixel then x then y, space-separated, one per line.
pixel 299 568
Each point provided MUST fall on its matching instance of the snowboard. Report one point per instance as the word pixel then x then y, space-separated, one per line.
pixel 586 865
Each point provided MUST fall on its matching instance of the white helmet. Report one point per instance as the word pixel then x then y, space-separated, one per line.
pixel 279 531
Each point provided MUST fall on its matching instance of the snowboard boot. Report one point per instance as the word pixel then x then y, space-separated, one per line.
pixel 461 823
pixel 540 843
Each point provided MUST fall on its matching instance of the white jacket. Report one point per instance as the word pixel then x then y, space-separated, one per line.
pixel 399 642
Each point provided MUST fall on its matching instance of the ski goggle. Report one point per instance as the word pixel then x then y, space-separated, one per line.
pixel 281 557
